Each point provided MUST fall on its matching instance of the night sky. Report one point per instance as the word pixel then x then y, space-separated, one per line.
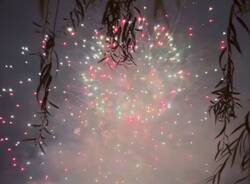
pixel 145 124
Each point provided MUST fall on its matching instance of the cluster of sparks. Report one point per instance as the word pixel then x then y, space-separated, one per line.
pixel 137 94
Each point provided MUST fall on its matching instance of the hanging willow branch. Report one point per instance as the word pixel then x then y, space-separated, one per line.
pixel 236 149
pixel 120 23
pixel 48 57
pixel 78 13
pixel 49 60
pixel 227 101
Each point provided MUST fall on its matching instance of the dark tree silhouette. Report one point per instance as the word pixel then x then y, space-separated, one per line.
pixel 235 145
pixel 120 23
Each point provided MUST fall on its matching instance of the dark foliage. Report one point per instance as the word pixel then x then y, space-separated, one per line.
pixel 77 14
pixel 120 24
pixel 231 150
pixel 48 57
pixel 227 101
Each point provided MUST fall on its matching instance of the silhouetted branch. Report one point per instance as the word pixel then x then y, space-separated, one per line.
pixel 121 20
pixel 227 101
pixel 78 13
pixel 48 57
pixel 231 150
